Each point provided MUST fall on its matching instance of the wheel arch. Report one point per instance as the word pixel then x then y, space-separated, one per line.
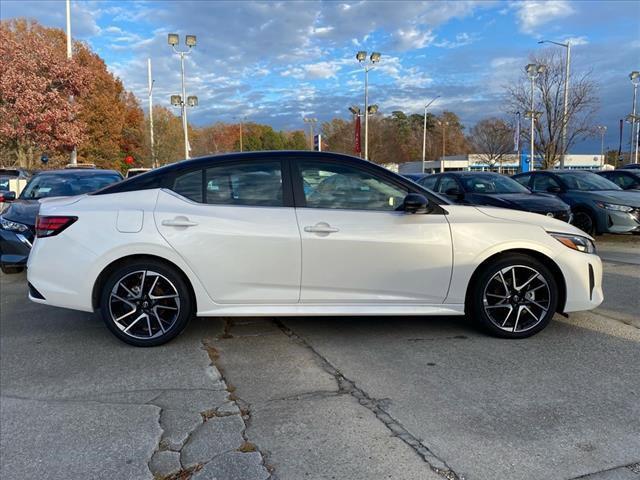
pixel 541 257
pixel 111 267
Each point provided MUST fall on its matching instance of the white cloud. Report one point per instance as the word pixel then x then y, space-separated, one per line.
pixel 461 40
pixel 534 13
pixel 412 38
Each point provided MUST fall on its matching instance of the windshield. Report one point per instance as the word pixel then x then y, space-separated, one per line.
pixel 66 185
pixel 587 181
pixel 491 183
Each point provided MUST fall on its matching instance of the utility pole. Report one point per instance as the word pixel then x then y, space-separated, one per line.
pixel 424 133
pixel 73 159
pixel 190 41
pixel 241 135
pixel 311 122
pixel 635 80
pixel 444 126
pixel 533 70
pixel 374 58
pixel 602 129
pixel 150 90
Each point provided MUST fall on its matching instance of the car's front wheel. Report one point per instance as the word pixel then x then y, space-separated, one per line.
pixel 514 297
pixel 146 303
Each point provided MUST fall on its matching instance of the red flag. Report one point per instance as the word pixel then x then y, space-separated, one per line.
pixel 357 148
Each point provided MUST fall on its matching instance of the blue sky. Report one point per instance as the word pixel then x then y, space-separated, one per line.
pixel 276 62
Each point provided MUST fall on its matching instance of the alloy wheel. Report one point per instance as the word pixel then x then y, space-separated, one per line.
pixel 517 298
pixel 144 304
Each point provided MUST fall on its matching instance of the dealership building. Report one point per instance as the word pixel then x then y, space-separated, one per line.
pixel 509 165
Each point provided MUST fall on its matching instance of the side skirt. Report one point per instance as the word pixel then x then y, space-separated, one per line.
pixel 331 310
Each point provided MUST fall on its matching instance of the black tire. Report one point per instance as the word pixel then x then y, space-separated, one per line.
pixel 11 270
pixel 490 285
pixel 585 221
pixel 165 324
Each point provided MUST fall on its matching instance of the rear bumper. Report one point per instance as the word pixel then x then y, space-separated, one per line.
pixel 14 249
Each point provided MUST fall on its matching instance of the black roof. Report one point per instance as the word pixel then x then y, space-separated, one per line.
pixel 467 173
pixel 160 177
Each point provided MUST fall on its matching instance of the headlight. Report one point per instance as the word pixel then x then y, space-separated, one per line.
pixel 576 242
pixel 12 226
pixel 615 207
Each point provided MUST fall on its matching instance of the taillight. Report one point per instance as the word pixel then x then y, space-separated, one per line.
pixel 48 226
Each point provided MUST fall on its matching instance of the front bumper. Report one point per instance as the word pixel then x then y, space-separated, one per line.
pixel 583 280
pixel 623 222
pixel 14 248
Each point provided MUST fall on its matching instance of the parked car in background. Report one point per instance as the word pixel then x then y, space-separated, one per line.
pixel 631 166
pixel 598 205
pixel 495 190
pixel 17 221
pixel 7 174
pixel 301 233
pixel 132 172
pixel 628 179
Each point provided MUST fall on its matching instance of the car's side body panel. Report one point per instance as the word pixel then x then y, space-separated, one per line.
pixel 374 257
pixel 241 254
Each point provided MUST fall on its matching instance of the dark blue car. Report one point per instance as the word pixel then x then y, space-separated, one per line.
pixel 628 179
pixel 496 190
pixel 598 205
pixel 17 221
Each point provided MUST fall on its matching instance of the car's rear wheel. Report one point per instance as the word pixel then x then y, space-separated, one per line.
pixel 146 303
pixel 585 222
pixel 514 297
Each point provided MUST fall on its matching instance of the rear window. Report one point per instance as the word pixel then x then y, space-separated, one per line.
pixel 66 185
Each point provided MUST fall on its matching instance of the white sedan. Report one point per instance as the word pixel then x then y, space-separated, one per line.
pixel 301 233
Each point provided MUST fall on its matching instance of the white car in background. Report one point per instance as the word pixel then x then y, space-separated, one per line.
pixel 301 233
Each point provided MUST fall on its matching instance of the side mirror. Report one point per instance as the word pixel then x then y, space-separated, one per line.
pixel 554 190
pixel 7 196
pixel 415 203
pixel 455 193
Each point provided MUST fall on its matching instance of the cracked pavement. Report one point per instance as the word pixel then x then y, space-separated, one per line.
pixel 324 398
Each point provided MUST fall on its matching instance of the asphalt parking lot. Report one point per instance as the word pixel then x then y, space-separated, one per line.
pixel 325 398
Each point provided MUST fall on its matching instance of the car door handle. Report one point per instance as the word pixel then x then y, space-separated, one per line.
pixel 321 227
pixel 179 222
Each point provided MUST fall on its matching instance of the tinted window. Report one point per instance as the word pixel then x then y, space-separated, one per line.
pixel 542 183
pixel 428 182
pixel 257 184
pixel 587 181
pixel 492 183
pixel 447 183
pixel 66 185
pixel 189 185
pixel 523 179
pixel 329 185
pixel 4 183
pixel 621 179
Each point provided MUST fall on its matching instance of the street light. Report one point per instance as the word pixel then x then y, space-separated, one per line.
pixel 444 126
pixel 361 56
pixel 602 129
pixel 311 122
pixel 565 111
pixel 533 70
pixel 635 80
pixel 173 39
pixel 424 132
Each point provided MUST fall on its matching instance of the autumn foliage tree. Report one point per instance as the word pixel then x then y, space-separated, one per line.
pixel 36 83
pixel 104 121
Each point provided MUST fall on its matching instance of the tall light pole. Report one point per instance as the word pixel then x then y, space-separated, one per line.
pixel 635 80
pixel 150 92
pixel 565 112
pixel 311 122
pixel 73 158
pixel 444 126
pixel 361 56
pixel 424 132
pixel 602 129
pixel 190 41
pixel 533 70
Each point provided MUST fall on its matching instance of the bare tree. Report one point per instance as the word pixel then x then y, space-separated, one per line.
pixel 492 140
pixel 548 94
